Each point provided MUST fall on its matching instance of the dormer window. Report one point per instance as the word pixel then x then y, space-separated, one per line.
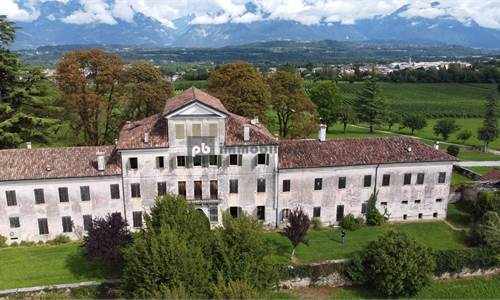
pixel 196 130
pixel 179 131
pixel 213 129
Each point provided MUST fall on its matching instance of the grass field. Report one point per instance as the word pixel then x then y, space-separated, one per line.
pixel 326 244
pixel 430 98
pixel 478 156
pixel 457 216
pixel 44 265
pixel 481 170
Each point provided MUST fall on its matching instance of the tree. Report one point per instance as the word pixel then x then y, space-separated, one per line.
pixel 489 131
pixel 369 105
pixel 106 239
pixel 414 121
pixel 346 115
pixel 296 229
pixel 445 127
pixel 146 91
pixel 89 81
pixel 392 118
pixel 394 265
pixel 487 231
pixel 288 98
pixel 453 150
pixel 464 135
pixel 28 111
pixel 486 201
pixel 373 215
pixel 171 255
pixel 241 89
pixel 325 95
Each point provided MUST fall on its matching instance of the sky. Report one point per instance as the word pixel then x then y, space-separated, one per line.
pixel 484 12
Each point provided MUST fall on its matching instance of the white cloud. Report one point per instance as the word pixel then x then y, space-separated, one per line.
pixel 484 12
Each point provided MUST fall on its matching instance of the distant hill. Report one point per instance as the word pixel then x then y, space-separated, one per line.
pixel 143 31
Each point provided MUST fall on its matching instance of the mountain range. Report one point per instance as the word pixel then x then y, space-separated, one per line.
pixel 49 29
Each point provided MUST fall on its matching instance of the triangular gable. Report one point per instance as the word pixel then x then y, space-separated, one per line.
pixel 196 109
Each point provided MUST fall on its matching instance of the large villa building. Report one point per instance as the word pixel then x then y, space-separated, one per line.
pixel 220 162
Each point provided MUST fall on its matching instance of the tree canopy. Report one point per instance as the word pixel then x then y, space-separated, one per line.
pixel 489 131
pixel 369 105
pixel 326 95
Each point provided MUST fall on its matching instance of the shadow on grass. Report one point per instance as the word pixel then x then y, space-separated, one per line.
pixel 82 269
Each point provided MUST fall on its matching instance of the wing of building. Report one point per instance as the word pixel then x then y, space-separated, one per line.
pixel 220 162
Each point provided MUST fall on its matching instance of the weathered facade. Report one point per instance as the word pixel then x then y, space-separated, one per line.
pixel 220 162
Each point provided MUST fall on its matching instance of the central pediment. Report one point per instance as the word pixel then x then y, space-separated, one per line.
pixel 196 109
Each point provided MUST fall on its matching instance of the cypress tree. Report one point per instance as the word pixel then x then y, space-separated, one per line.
pixel 489 132
pixel 369 105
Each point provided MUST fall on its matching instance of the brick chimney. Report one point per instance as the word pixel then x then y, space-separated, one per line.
pixel 101 163
pixel 246 132
pixel 322 133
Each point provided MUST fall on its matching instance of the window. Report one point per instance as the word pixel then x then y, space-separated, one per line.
pixel 196 129
pixel 261 185
pixel 197 190
pixel 342 182
pixel 364 207
pixel 407 179
pixel 11 198
pixel 435 215
pixel 405 217
pixel 235 211
pixel 439 200
pixel 63 194
pixel 181 161
pixel 39 196
pixel 132 163
pixel 85 193
pixel 233 159
pixel 261 213
pixel 213 129
pixel 404 202
pixel 442 177
pixel 214 189
pixel 420 216
pixel 286 185
pixel 340 213
pixel 162 188
pixel 386 180
pixel 367 181
pixel 285 213
pixel 420 178
pixel 114 190
pixel 87 222
pixel 233 186
pixel 160 162
pixel 383 203
pixel 417 201
pixel 14 222
pixel 179 131
pixel 318 184
pixel 67 224
pixel 262 159
pixel 135 190
pixel 214 214
pixel 137 218
pixel 181 188
pixel 197 161
pixel 43 226
pixel 213 160
pixel 316 212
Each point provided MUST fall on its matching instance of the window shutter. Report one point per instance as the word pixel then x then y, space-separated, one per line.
pixel 219 161
pixel 189 161
pixel 173 162
pixel 240 160
pixel 204 161
pixel 267 159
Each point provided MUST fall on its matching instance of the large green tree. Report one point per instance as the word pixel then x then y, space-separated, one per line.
pixel 326 95
pixel 288 99
pixel 489 131
pixel 369 105
pixel 445 127
pixel 27 109
pixel 145 90
pixel 414 121
pixel 241 89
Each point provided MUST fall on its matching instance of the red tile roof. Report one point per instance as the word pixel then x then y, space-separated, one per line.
pixel 493 175
pixel 193 95
pixel 133 133
pixel 259 135
pixel 42 163
pixel 356 151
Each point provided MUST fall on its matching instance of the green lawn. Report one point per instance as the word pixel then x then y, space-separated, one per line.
pixel 477 156
pixel 457 216
pixel 337 131
pixel 472 288
pixel 325 244
pixel 457 179
pixel 44 265
pixel 481 170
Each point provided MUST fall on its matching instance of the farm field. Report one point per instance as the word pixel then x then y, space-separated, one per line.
pixel 477 156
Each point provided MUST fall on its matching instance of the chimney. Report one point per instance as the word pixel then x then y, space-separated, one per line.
pixel 322 133
pixel 101 164
pixel 436 145
pixel 28 145
pixel 146 138
pixel 255 120
pixel 246 132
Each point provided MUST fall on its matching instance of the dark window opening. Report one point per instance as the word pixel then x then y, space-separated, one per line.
pixel 63 194
pixel 417 201
pixel 367 181
pixel 340 213
pixel 197 161
pixel 214 214
pixel 404 202
pixel 181 161
pixel 318 184
pixel 286 185
pixel 442 177
pixel 135 190
pixel 386 180
pixel 133 163
pixel 317 212
pixel 420 216
pixel 420 178
pixel 233 159
pixel 214 189
pixel 364 208
pixel 87 222
pixel 114 189
pixel 383 203
pixel 67 224
pixel 39 196
pixel 233 186
pixel 407 179
pixel 11 198
pixel 435 215
pixel 439 200
pixel 261 212
pixel 261 185
pixel 342 182
pixel 14 222
pixel 181 188
pixel 85 193
pixel 160 162
pixel 261 159
pixel 162 188
pixel 137 218
pixel 43 226
pixel 405 217
pixel 197 190
pixel 235 211
pixel 213 160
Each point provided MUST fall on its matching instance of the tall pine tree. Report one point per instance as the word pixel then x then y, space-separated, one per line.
pixel 25 106
pixel 489 132
pixel 369 105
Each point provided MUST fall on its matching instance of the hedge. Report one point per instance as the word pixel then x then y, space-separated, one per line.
pixel 456 260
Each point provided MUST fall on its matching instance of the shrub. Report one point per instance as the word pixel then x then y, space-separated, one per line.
pixel 486 201
pixel 59 239
pixel 394 265
pixel 453 150
pixel 14 244
pixel 316 223
pixel 3 241
pixel 486 232
pixel 350 222
pixel 27 243
pixel 456 260
pixel 373 215
pixel 40 243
